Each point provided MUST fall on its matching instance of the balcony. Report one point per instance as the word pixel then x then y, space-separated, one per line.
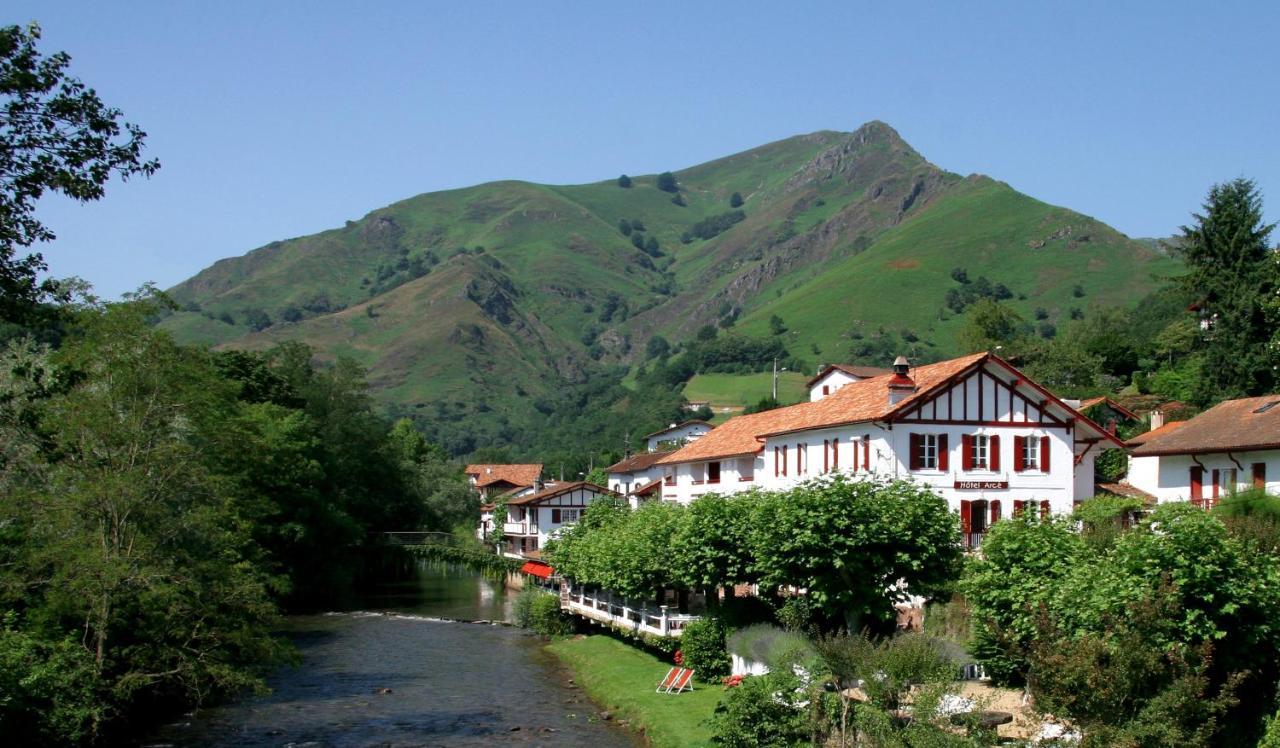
pixel 519 528
pixel 606 608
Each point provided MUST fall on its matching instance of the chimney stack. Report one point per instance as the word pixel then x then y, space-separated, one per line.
pixel 1157 419
pixel 901 386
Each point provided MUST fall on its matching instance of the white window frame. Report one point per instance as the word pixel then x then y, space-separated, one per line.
pixel 981 452
pixel 1031 453
pixel 929 452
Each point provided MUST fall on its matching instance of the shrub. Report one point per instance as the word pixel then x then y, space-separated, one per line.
pixel 667 182
pixel 763 712
pixel 709 227
pixel 522 606
pixel 546 618
pixel 735 200
pixel 705 650
pixel 624 181
pixel 796 614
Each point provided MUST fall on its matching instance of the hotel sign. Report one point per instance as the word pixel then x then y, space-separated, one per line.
pixel 981 485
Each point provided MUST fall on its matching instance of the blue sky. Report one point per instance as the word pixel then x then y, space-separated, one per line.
pixel 275 119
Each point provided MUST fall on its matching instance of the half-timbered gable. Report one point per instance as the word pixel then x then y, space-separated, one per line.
pixel 533 519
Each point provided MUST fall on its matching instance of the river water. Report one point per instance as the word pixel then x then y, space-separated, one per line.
pixel 393 675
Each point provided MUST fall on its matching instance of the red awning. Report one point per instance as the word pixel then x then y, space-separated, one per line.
pixel 537 568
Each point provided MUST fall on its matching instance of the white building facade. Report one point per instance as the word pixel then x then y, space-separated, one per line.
pixel 974 430
pixel 1229 448
pixel 677 434
pixel 834 376
pixel 532 520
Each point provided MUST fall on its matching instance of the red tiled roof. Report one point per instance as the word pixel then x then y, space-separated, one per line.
pixel 676 427
pixel 1147 436
pixel 862 372
pixel 648 488
pixel 1235 425
pixel 856 402
pixel 1126 491
pixel 560 490
pixel 516 475
pixel 641 461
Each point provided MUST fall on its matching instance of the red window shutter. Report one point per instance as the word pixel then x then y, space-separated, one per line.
pixel 1197 485
pixel 966 452
pixel 995 511
pixel 993 452
pixel 1019 459
pixel 1018 507
pixel 1259 475
pixel 1214 493
pixel 944 454
pixel 1044 453
pixel 784 459
pixel 917 450
pixel 826 455
pixel 866 453
pixel 776 461
pixel 1044 509
pixel 835 454
pixel 966 516
pixel 855 455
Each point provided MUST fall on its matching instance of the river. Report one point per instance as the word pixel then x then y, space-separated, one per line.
pixel 391 674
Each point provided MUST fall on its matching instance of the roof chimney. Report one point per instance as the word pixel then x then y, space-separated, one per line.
pixel 1157 419
pixel 901 386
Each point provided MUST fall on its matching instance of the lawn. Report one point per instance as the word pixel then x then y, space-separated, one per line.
pixel 746 389
pixel 622 679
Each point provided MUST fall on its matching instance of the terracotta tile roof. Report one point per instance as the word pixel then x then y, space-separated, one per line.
pixel 559 490
pixel 676 427
pixel 1147 436
pixel 856 402
pixel 649 488
pixel 1231 426
pixel 736 436
pixel 516 475
pixel 641 461
pixel 1126 491
pixel 867 400
pixel 862 372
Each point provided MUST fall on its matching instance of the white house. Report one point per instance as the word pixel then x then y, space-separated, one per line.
pixel 533 519
pixel 834 376
pixel 974 429
pixel 637 474
pixel 677 434
pixel 1233 445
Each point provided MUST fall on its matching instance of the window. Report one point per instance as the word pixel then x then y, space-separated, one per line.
pixel 1260 475
pixel 746 469
pixel 980 452
pixel 802 459
pixel 826 389
pixel 866 452
pixel 784 460
pixel 713 472
pixel 835 454
pixel 1224 482
pixel 565 516
pixel 1031 453
pixel 669 479
pixel 928 451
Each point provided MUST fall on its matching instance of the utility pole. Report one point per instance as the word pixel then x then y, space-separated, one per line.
pixel 775 378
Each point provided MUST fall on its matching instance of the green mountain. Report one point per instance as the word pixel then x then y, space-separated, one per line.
pixel 480 302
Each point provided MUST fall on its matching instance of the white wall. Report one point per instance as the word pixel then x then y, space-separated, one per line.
pixel 1168 478
pixel 625 483
pixel 834 380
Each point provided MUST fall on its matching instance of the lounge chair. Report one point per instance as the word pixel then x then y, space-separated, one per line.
pixel 684 682
pixel 665 684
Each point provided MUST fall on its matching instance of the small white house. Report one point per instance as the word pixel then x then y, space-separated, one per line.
pixel 1231 446
pixel 491 481
pixel 834 376
pixel 975 430
pixel 533 519
pixel 677 434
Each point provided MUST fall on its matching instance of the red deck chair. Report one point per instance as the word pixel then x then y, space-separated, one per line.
pixel 684 682
pixel 669 679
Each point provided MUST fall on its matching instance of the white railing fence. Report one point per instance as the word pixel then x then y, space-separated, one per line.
pixel 605 607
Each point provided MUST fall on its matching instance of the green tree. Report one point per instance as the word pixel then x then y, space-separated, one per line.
pixel 847 541
pixel 735 200
pixel 667 182
pixel 55 135
pixel 708 549
pixel 776 325
pixel 624 226
pixel 1231 271
pixel 657 347
pixel 624 181
pixel 988 324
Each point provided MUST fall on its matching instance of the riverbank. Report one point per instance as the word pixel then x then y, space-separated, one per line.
pixel 622 679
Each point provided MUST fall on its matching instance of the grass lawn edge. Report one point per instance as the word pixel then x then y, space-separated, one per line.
pixel 622 680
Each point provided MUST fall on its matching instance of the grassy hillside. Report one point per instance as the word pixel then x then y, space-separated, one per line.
pixel 740 390
pixel 479 306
